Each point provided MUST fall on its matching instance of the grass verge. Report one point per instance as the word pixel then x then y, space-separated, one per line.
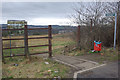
pixel 38 67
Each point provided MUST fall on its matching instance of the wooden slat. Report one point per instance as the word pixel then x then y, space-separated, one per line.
pixel 11 29
pixel 14 55
pixel 13 48
pixel 39 37
pixel 24 47
pixel 23 29
pixel 36 28
pixel 38 53
pixel 14 39
pixel 39 45
pixel 28 38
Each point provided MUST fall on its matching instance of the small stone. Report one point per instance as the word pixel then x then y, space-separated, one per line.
pixel 56 71
pixel 46 63
pixel 49 70
pixel 93 50
pixel 55 77
pixel 59 77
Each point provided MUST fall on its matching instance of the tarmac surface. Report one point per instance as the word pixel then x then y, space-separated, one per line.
pixel 108 71
pixel 77 63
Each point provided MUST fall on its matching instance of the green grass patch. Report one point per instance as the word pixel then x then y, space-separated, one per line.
pixel 36 68
pixel 13 51
pixel 94 52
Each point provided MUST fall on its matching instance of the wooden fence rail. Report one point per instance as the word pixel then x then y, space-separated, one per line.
pixel 26 47
pixel 28 38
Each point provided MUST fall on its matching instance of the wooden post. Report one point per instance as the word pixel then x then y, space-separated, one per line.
pixel 2 53
pixel 49 40
pixel 91 25
pixel 92 35
pixel 26 42
pixel 78 37
pixel 1 46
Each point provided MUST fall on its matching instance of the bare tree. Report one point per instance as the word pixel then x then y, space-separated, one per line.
pixel 85 11
pixel 95 12
pixel 89 10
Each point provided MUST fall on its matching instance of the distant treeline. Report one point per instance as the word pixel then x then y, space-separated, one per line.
pixel 55 30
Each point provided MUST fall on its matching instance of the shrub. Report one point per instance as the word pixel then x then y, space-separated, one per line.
pixel 87 36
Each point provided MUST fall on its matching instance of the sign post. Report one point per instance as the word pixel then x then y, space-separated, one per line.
pixel 115 30
pixel 114 14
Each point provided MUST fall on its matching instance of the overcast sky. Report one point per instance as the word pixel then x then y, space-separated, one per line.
pixel 38 13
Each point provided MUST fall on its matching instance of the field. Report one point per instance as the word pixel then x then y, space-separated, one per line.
pixel 58 42
pixel 19 67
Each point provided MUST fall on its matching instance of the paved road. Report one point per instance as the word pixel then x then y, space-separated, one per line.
pixel 107 71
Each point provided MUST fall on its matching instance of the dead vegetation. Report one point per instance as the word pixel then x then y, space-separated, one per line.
pixel 87 36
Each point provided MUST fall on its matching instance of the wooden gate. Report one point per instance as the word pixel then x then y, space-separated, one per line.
pixel 49 37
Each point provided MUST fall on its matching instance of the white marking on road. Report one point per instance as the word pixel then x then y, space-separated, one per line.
pixel 86 60
pixel 89 61
pixel 75 74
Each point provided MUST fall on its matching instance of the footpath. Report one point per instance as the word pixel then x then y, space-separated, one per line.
pixel 84 68
pixel 75 62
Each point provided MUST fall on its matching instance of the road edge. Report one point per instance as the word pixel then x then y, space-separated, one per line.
pixel 80 71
